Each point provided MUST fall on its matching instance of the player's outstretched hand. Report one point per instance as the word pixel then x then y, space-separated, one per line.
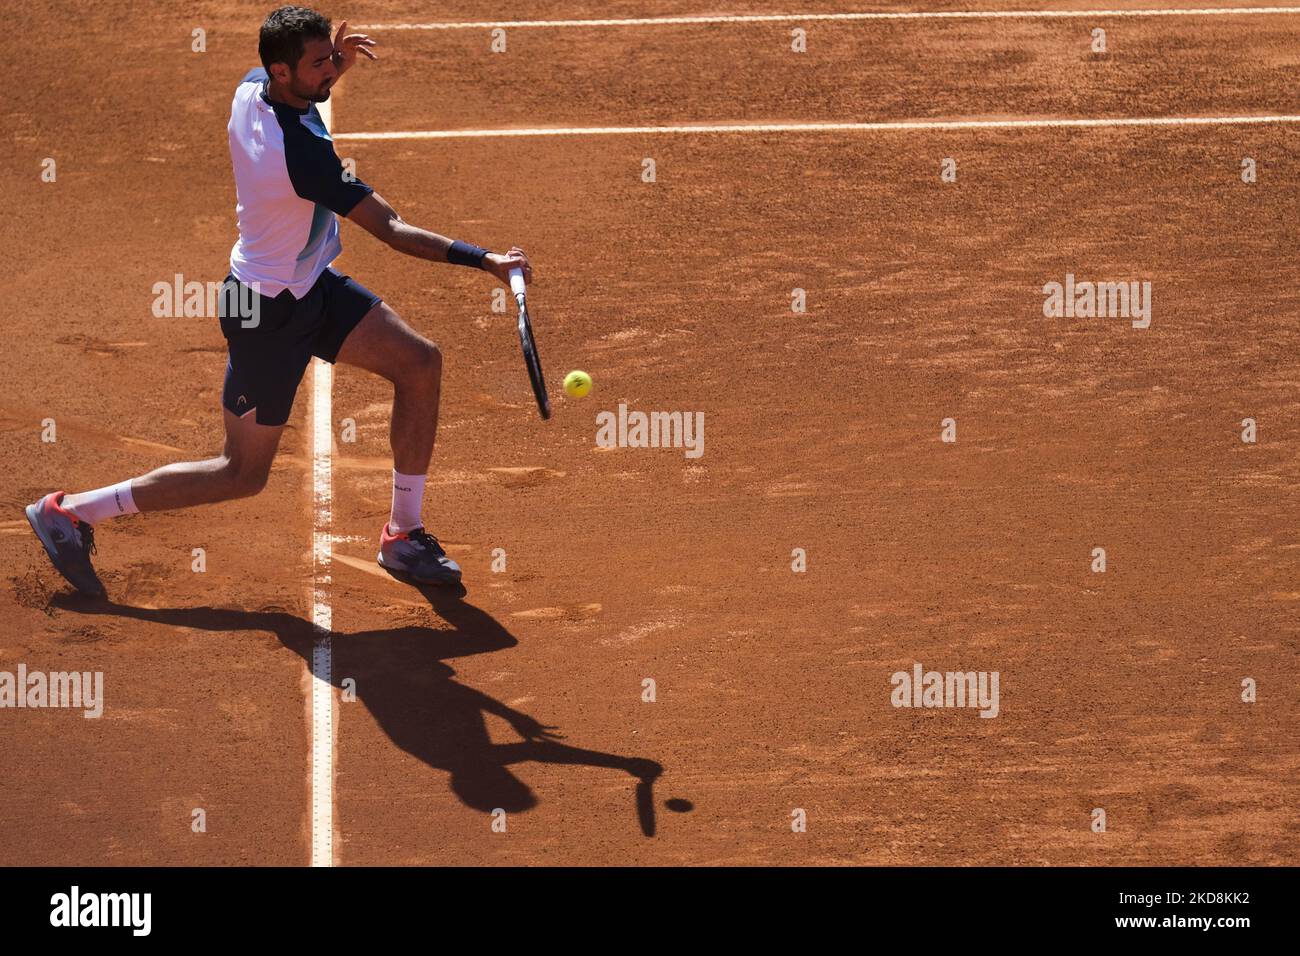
pixel 500 265
pixel 531 729
pixel 347 46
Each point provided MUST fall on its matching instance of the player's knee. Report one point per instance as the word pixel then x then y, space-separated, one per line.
pixel 243 479
pixel 426 363
pixel 251 482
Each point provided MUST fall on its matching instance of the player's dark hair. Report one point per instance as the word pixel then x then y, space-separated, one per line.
pixel 285 32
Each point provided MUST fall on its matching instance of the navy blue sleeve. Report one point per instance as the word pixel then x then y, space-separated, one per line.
pixel 315 170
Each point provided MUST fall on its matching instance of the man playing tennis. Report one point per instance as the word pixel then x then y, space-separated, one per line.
pixel 291 186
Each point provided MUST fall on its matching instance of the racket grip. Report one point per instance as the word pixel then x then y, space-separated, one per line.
pixel 517 282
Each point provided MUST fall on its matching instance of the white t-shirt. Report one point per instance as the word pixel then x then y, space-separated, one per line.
pixel 289 184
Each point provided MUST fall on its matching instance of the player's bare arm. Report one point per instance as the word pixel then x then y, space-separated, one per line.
pixel 381 220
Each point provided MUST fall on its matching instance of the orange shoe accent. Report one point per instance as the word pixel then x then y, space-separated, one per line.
pixel 56 497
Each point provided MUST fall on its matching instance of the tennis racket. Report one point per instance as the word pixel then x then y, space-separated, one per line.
pixel 531 359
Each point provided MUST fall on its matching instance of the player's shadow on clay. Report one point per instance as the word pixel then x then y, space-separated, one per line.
pixel 401 678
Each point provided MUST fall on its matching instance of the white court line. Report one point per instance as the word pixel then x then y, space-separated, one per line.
pixel 881 15
pixel 322 664
pixel 830 127
pixel 322 615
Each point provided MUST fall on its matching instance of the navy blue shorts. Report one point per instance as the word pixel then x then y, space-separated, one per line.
pixel 270 348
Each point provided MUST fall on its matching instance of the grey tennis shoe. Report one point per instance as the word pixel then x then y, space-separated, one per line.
pixel 68 541
pixel 419 555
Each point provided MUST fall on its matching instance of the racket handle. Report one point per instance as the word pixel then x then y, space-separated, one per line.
pixel 517 282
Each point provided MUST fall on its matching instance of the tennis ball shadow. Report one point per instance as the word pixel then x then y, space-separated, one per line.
pixel 678 805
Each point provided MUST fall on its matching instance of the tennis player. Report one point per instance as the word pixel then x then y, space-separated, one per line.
pixel 282 303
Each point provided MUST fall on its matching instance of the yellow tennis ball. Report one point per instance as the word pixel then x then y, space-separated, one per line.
pixel 577 383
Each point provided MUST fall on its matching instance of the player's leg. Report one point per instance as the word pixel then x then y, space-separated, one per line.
pixel 239 471
pixel 266 360
pixel 262 376
pixel 265 363
pixel 65 523
pixel 385 345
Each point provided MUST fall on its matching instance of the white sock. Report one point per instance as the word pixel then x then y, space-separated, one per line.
pixel 408 496
pixel 93 507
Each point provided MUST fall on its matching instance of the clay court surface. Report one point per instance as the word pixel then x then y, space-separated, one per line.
pixel 1119 690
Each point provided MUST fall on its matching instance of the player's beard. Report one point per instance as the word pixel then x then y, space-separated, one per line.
pixel 318 95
